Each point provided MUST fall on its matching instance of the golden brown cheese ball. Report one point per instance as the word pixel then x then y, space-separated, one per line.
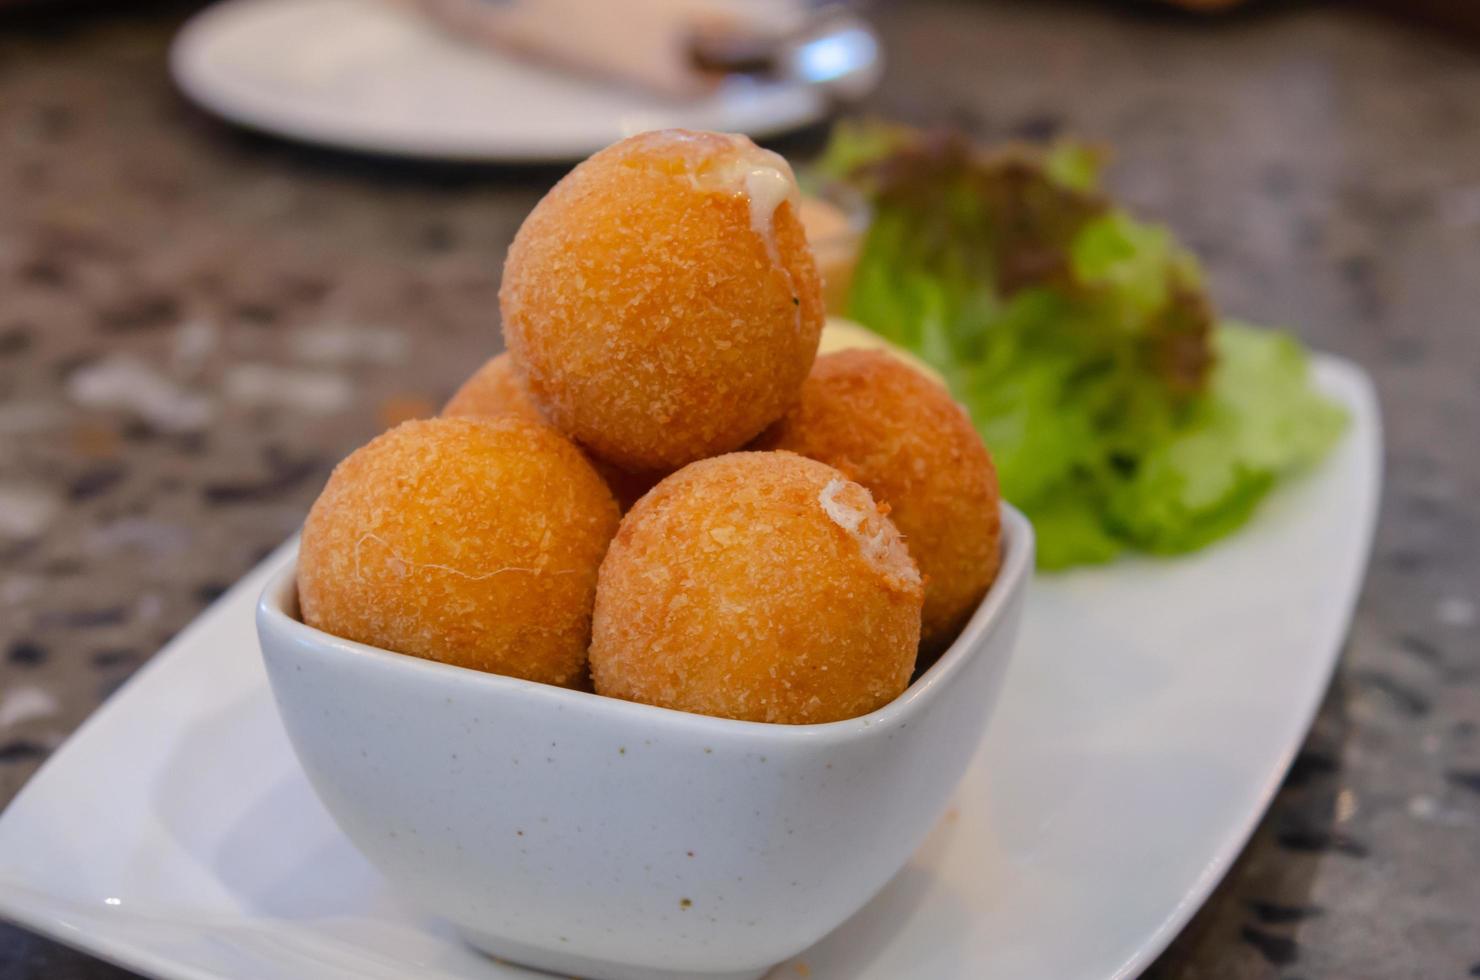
pixel 473 542
pixel 761 586
pixel 901 435
pixel 494 389
pixel 661 302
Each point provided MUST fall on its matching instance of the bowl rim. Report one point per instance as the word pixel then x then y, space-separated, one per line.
pixel 276 615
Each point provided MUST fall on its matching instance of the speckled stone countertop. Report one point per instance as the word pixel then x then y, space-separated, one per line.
pixel 195 324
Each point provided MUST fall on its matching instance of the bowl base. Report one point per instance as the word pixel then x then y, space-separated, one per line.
pixel 571 965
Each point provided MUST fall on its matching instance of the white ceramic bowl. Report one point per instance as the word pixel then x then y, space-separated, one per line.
pixel 590 836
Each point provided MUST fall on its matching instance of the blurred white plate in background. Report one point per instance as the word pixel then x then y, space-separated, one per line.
pixel 362 75
pixel 1148 717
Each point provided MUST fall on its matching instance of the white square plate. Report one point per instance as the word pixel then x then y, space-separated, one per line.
pixel 1149 715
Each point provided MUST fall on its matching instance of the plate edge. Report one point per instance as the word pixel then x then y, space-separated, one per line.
pixel 1366 405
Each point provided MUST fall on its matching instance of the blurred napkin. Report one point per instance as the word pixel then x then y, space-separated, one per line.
pixel 673 47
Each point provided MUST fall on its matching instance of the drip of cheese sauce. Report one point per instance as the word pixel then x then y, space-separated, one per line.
pixel 765 180
pixel 767 188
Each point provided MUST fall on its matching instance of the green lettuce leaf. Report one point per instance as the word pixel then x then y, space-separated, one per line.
pixel 1260 419
pixel 1081 340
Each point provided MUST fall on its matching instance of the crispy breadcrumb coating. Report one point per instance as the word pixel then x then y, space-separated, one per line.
pixel 760 586
pixel 661 303
pixel 495 389
pixel 474 542
pixel 899 433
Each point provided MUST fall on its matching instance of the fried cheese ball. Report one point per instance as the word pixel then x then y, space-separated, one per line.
pixel 469 541
pixel 900 434
pixel 494 390
pixel 661 302
pixel 760 586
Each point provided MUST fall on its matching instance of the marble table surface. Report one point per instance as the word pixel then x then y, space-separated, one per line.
pixel 195 324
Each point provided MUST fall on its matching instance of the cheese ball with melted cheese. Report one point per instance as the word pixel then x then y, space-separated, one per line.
pixel 900 434
pixel 494 390
pixel 472 542
pixel 661 303
pixel 759 586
